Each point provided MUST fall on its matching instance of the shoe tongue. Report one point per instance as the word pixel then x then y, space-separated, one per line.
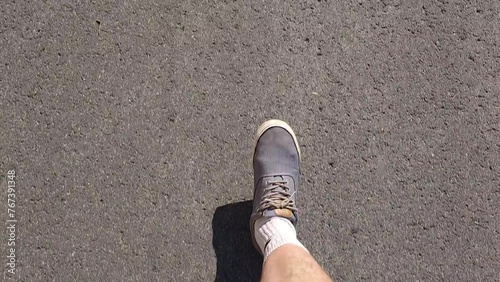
pixel 285 213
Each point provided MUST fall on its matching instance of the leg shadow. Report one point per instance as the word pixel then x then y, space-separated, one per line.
pixel 237 260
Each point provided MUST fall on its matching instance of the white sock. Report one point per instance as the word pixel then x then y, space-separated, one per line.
pixel 277 231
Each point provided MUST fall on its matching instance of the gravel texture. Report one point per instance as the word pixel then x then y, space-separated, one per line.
pixel 130 126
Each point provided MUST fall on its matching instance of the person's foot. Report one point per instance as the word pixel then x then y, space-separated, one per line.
pixel 276 164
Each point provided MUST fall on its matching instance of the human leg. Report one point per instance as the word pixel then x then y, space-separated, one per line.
pixel 292 263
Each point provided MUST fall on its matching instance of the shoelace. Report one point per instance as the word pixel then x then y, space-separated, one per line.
pixel 276 198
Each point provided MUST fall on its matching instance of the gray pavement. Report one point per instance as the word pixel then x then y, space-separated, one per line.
pixel 130 126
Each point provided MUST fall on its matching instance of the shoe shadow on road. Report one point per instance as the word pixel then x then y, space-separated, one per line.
pixel 237 260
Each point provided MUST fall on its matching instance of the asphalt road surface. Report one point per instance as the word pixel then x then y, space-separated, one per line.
pixel 129 125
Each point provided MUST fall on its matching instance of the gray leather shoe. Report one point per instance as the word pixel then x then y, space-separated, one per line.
pixel 276 165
